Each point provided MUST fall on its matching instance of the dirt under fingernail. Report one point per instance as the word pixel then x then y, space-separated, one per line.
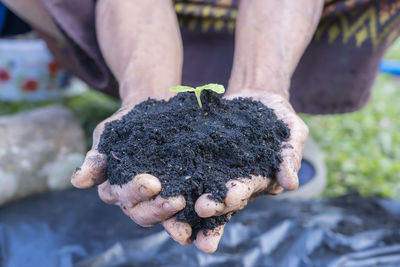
pixel 193 150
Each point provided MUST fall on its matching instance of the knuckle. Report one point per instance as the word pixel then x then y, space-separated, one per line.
pixel 144 219
pixel 93 157
pixel 105 195
pixel 147 184
pixel 234 201
pixel 176 203
pixel 119 193
pixel 260 184
pixel 124 207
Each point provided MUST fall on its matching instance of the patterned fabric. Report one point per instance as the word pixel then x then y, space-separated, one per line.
pixel 374 23
pixel 369 20
pixel 338 69
pixel 334 75
pixel 207 15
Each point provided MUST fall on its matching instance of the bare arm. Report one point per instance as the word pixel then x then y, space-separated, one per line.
pixel 271 37
pixel 141 44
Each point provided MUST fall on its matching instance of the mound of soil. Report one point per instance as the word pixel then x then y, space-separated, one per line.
pixel 194 151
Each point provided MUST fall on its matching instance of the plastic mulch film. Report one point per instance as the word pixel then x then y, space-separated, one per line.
pixel 74 228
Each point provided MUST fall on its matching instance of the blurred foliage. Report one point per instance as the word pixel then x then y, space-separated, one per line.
pixel 362 149
pixel 90 108
pixel 7 108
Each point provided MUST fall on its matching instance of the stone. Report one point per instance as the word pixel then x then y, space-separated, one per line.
pixel 39 150
pixel 61 169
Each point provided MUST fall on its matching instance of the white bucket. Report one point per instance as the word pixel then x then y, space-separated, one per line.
pixel 28 72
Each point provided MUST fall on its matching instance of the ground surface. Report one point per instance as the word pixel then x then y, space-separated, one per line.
pixel 347 231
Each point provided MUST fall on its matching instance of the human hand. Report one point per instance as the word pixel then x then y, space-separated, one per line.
pixel 134 197
pixel 242 190
pixel 139 197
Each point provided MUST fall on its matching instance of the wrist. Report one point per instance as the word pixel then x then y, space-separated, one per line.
pixel 260 81
pixel 134 89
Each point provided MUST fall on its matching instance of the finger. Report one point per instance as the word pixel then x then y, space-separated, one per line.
pixel 142 187
pixel 149 213
pixel 92 172
pixel 237 197
pixel 206 207
pixel 181 232
pixel 125 208
pixel 94 168
pixel 291 154
pixel 98 131
pixel 287 175
pixel 105 193
pixel 209 241
pixel 275 189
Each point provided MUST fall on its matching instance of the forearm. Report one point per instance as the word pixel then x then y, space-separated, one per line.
pixel 36 15
pixel 271 36
pixel 141 43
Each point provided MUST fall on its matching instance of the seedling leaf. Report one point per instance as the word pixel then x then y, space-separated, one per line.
pixel 182 89
pixel 218 88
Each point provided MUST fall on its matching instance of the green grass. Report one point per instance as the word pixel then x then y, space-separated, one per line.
pixel 362 149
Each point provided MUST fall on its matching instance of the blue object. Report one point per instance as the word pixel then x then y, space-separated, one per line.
pixel 3 13
pixel 390 66
pixel 306 172
pixel 74 228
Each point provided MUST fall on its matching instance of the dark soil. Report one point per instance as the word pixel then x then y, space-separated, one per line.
pixel 194 151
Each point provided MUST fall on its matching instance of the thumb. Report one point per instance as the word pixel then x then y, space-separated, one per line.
pixel 92 172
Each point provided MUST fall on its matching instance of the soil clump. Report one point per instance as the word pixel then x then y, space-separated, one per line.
pixel 194 151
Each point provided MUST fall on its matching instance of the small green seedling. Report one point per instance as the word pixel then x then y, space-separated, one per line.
pixel 219 89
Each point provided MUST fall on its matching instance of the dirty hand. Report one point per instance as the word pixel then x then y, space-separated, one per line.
pixel 138 198
pixel 242 190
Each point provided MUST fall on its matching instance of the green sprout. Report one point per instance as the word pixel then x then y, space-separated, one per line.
pixel 219 89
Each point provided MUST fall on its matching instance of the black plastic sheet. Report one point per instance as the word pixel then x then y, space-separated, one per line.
pixel 74 228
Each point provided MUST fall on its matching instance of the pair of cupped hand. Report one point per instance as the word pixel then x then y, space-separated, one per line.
pixel 139 198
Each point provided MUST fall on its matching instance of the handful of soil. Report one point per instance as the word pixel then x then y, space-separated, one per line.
pixel 193 150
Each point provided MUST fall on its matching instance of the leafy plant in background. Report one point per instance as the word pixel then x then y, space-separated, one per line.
pixel 362 149
pixel 219 89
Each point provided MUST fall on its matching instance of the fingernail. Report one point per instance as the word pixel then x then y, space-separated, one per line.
pixel 143 190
